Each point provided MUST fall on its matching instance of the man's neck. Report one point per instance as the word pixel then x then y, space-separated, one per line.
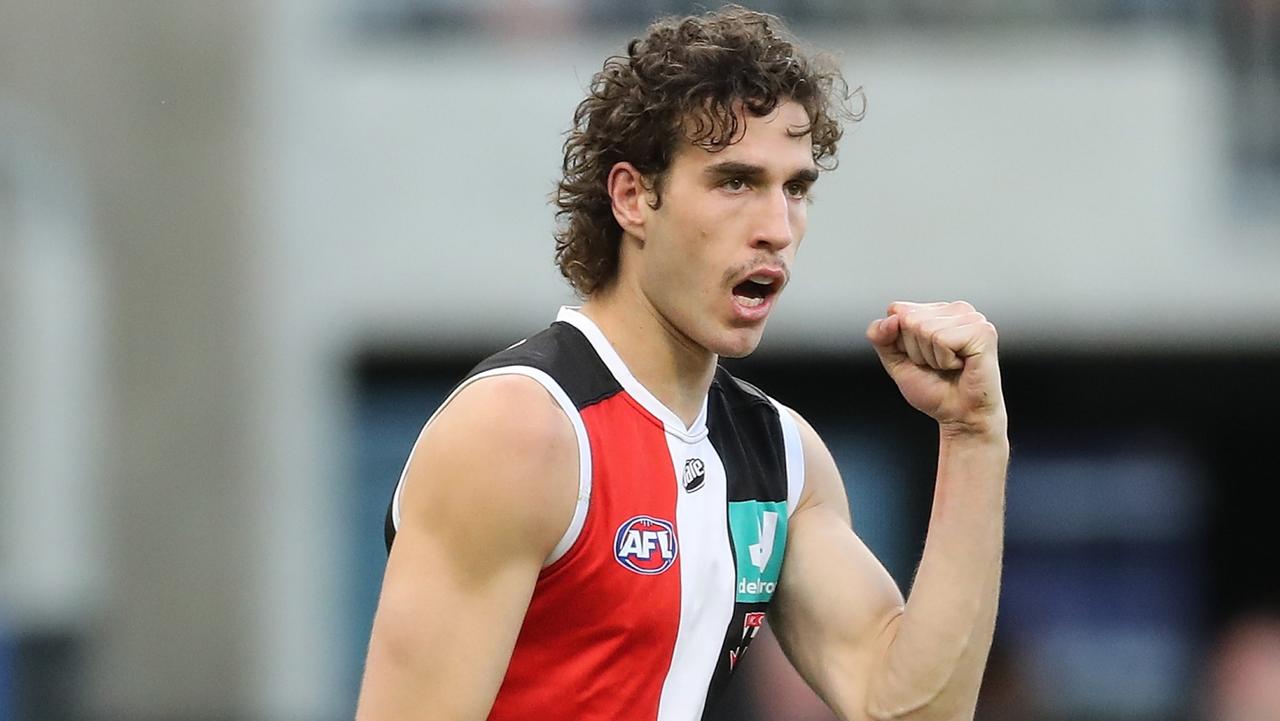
pixel 671 366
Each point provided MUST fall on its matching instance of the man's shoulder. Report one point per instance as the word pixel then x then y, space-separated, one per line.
pixel 502 449
pixel 512 409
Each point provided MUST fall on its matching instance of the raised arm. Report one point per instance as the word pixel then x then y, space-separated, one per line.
pixel 489 492
pixel 839 617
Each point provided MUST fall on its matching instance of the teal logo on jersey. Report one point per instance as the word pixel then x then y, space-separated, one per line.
pixel 759 530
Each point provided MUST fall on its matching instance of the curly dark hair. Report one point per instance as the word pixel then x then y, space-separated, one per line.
pixel 681 81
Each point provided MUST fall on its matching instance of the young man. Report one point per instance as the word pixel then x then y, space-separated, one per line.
pixel 597 521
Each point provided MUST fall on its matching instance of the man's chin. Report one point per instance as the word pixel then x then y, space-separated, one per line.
pixel 740 343
pixel 738 353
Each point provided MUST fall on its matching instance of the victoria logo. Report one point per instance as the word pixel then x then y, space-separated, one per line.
pixel 646 545
pixel 695 474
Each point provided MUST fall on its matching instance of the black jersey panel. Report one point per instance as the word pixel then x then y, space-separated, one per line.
pixel 389 528
pixel 566 355
pixel 744 428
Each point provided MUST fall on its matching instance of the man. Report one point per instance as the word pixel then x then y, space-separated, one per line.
pixel 598 519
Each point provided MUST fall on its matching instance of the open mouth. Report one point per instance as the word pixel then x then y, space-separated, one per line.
pixel 755 290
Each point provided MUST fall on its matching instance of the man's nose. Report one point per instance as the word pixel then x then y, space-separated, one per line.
pixel 773 228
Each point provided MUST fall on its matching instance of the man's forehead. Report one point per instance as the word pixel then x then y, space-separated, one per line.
pixel 789 118
pixel 787 153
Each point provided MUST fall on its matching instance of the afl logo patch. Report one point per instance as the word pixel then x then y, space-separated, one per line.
pixel 695 474
pixel 645 545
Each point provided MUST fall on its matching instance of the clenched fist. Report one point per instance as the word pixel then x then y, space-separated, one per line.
pixel 943 358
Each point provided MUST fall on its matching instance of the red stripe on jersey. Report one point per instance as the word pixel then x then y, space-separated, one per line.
pixel 598 637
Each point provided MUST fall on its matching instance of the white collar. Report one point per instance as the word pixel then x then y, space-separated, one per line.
pixel 696 432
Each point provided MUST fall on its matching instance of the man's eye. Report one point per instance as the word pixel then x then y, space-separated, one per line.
pixel 797 190
pixel 734 184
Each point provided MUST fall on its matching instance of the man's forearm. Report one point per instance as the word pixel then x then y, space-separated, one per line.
pixel 933 664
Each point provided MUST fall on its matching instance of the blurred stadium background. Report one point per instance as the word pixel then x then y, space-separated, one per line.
pixel 245 247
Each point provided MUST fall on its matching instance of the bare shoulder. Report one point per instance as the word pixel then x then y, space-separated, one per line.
pixel 822 483
pixel 512 412
pixel 489 491
pixel 499 461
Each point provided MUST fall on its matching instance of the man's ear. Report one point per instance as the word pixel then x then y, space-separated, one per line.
pixel 630 198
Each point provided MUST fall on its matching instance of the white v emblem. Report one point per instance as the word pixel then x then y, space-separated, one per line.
pixel 767 528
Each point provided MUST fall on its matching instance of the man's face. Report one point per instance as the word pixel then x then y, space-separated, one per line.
pixel 718 251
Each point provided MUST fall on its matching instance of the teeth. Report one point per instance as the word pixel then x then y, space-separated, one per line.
pixel 761 279
pixel 748 302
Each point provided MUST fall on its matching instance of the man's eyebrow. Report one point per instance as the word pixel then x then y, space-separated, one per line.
pixel 747 170
pixel 808 175
pixel 734 167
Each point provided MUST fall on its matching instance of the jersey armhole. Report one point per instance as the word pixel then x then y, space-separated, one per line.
pixel 794 453
pixel 579 429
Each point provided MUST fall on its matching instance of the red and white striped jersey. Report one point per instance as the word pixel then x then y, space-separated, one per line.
pixel 666 571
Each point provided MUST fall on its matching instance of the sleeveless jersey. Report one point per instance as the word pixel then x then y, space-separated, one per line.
pixel 665 573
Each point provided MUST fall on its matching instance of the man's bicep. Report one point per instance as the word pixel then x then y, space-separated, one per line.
pixel 441 638
pixel 489 491
pixel 835 599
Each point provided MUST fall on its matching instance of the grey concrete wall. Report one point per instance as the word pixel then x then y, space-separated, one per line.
pixel 148 98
